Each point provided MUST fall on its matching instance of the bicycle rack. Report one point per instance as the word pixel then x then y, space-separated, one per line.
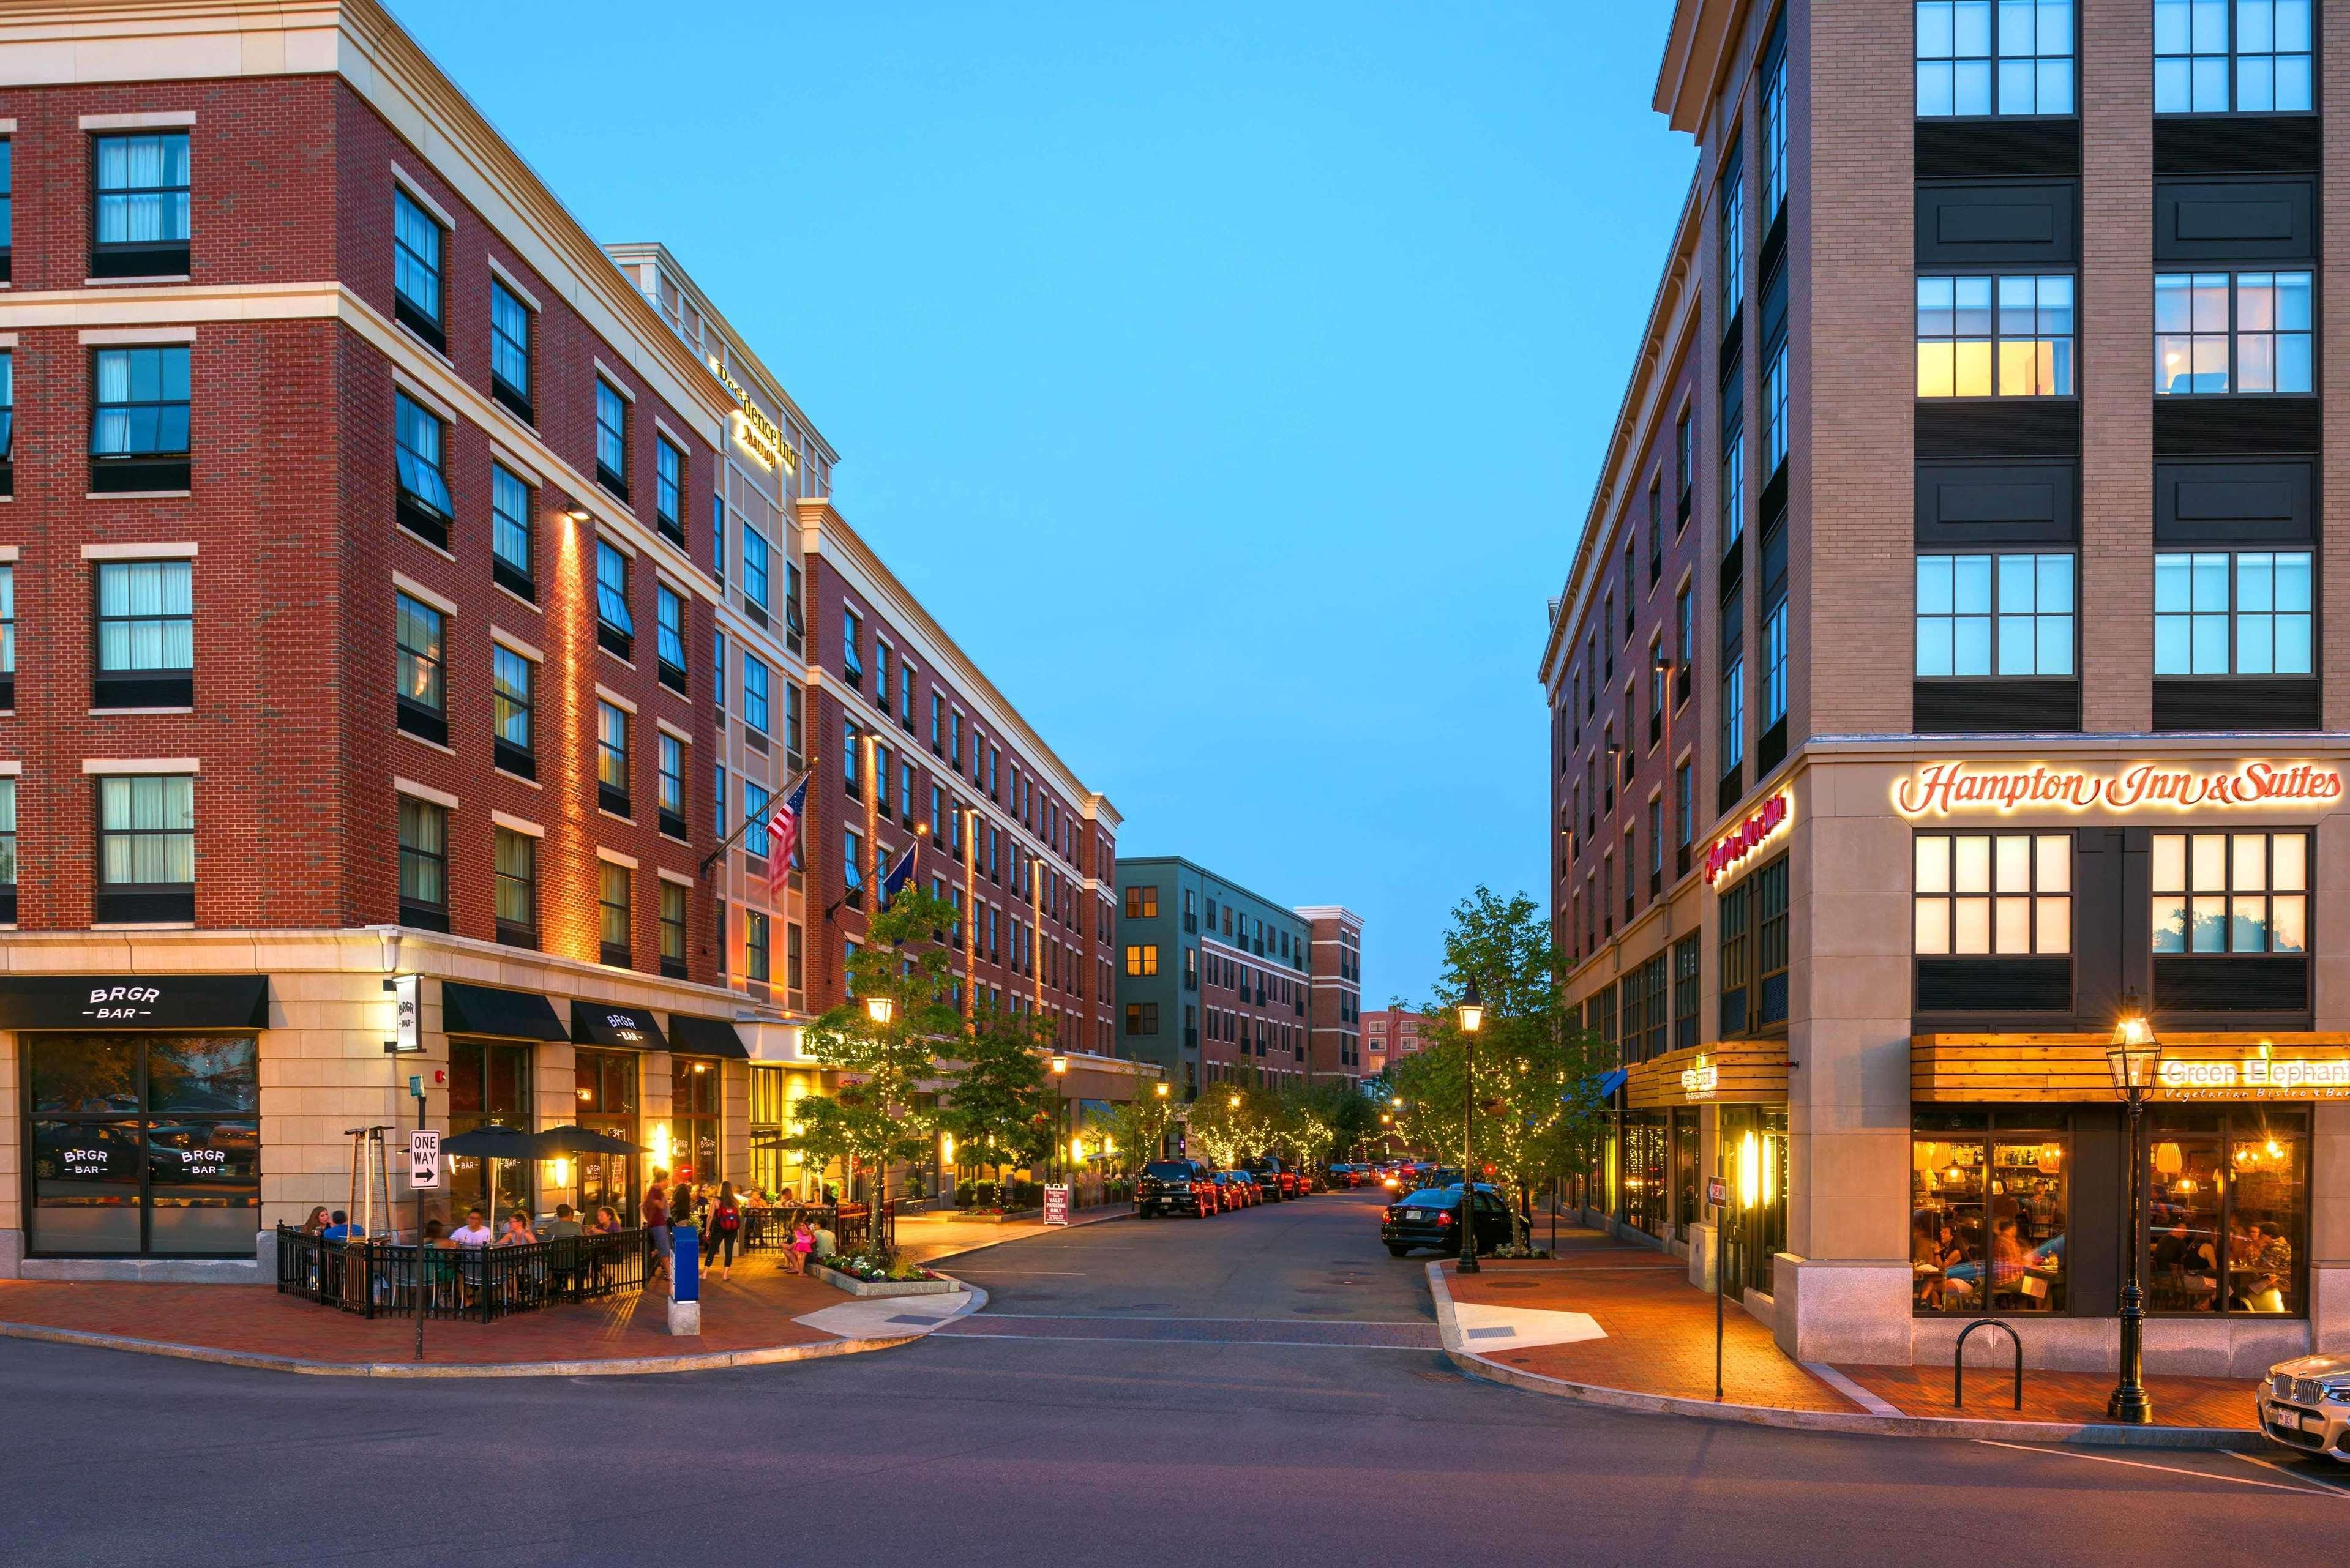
pixel 1958 1362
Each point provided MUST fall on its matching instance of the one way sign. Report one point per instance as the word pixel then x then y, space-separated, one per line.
pixel 424 1159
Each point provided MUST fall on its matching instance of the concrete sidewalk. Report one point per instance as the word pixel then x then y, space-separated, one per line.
pixel 762 1316
pixel 1611 1324
pixel 933 1234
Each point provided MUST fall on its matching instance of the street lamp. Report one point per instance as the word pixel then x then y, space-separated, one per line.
pixel 1470 1013
pixel 1060 1103
pixel 881 1008
pixel 2132 1057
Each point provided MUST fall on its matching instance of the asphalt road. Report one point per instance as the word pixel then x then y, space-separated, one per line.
pixel 1147 1412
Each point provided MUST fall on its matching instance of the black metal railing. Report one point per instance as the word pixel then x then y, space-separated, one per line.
pixel 384 1279
pixel 851 1224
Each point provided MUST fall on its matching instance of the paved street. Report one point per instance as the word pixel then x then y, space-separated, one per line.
pixel 1110 1409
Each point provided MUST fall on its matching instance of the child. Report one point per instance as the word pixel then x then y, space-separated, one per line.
pixel 803 1243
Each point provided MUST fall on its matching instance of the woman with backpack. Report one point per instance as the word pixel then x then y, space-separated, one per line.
pixel 723 1226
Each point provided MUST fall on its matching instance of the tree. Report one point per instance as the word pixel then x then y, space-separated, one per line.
pixel 1137 1128
pixel 1535 1070
pixel 1230 1121
pixel 1000 1109
pixel 875 1118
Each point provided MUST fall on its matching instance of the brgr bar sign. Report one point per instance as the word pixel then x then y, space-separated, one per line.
pixel 1944 788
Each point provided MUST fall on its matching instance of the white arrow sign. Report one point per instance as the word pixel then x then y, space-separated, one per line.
pixel 424 1159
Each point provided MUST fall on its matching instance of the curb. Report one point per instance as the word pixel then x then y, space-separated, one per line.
pixel 2070 1433
pixel 629 1367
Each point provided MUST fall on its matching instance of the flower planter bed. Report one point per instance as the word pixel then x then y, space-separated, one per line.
pixel 857 1287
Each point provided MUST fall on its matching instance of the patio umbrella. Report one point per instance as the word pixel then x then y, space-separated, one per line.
pixel 491 1142
pixel 576 1140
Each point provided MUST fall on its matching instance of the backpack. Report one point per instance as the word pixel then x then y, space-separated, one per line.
pixel 726 1217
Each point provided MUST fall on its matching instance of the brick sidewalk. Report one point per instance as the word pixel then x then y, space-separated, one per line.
pixel 936 1234
pixel 754 1311
pixel 1659 1341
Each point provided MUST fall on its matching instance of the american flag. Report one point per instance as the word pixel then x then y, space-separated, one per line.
pixel 784 834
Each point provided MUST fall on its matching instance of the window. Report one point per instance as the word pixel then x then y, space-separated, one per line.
pixel 7 636
pixel 150 1144
pixel 882 675
pixel 7 366
pixel 670 764
pixel 2026 600
pixel 668 490
pixel 755 817
pixel 1956 57
pixel 1142 959
pixel 1733 485
pixel 2230 892
pixel 668 623
pixel 141 194
pixel 612 913
pixel 2023 349
pixel 424 506
pixel 1142 903
pixel 1989 1201
pixel 791 721
pixel 2195 49
pixel 612 759
pixel 510 679
pixel 1684 462
pixel 852 761
pixel 146 634
pixel 1685 993
pixel 791 959
pixel 2197 316
pixel 794 624
pixel 672 931
pixel 1994 893
pixel 8 205
pixel 1142 1018
pixel 852 660
pixel 1733 683
pixel 517 877
pixel 139 419
pixel 756 958
pixel 424 864
pixel 1734 238
pixel 146 849
pixel 7 851
pixel 1774 664
pixel 755 701
pixel 1684 807
pixel 2263 627
pixel 1774 410
pixel 509 349
pixel 852 869
pixel 755 584
pixel 612 440
pixel 510 534
pixel 1774 131
pixel 420 665
pixel 2228 1211
pixel 906 698
pixel 616 630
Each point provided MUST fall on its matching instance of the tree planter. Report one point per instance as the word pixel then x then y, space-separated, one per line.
pixel 857 1287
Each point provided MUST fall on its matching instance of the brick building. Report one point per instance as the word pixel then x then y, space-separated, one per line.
pixel 1389 1036
pixel 1213 980
pixel 402 603
pixel 1897 756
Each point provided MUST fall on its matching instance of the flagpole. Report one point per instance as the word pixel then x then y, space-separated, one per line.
pixel 745 825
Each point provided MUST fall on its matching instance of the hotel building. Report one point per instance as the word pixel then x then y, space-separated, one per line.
pixel 1942 675
pixel 403 601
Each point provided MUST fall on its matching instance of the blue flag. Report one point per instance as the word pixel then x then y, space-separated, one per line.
pixel 895 882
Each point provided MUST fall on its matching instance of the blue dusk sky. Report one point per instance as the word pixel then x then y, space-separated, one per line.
pixel 1230 382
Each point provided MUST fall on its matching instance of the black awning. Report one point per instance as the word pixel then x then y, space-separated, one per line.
pixel 705 1037
pixel 507 1014
pixel 134 1001
pixel 608 1024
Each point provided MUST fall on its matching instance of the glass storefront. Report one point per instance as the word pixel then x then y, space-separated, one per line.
pixel 1990 1208
pixel 1644 1170
pixel 2227 1210
pixel 606 1083
pixel 143 1145
pixel 1686 1136
pixel 1753 1157
pixel 693 1106
pixel 489 1085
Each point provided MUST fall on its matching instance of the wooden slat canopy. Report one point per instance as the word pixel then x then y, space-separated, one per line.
pixel 1994 1068
pixel 1744 1072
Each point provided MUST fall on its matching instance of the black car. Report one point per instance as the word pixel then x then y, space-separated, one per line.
pixel 1278 1184
pixel 1431 1217
pixel 1175 1187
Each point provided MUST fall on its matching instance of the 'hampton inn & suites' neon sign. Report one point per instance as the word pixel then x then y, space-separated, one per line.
pixel 1939 789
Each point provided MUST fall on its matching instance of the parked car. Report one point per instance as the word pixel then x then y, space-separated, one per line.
pixel 2305 1405
pixel 1431 1217
pixel 1278 1182
pixel 1228 1193
pixel 1339 1176
pixel 1245 1184
pixel 1175 1187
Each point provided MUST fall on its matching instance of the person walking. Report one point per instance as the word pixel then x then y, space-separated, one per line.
pixel 724 1225
pixel 656 1218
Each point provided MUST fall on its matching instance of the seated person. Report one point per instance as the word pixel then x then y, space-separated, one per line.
pixel 342 1229
pixel 564 1226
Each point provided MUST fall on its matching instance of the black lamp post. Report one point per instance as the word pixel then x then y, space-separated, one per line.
pixel 2132 1057
pixel 1472 1015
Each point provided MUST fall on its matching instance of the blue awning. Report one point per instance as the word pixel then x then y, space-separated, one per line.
pixel 1611 1082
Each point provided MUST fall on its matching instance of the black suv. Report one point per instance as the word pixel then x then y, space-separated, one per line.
pixel 1431 1217
pixel 1175 1187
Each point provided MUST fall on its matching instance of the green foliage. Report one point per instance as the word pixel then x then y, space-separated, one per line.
pixel 1232 1121
pixel 1535 1069
pixel 1000 1108
pixel 1136 1127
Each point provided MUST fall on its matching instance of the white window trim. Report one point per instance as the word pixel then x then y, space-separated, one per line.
pixel 438 797
pixel 614 857
pixel 176 552
pixel 432 400
pixel 151 120
pixel 513 644
pixel 683 444
pixel 10 770
pixel 513 285
pixel 605 694
pixel 681 737
pixel 607 536
pixel 7 554
pixel 7 339
pixel 147 335
pixel 516 824
pixel 612 379
pixel 422 198
pixel 104 767
pixel 416 590
pixel 678 877
pixel 528 470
